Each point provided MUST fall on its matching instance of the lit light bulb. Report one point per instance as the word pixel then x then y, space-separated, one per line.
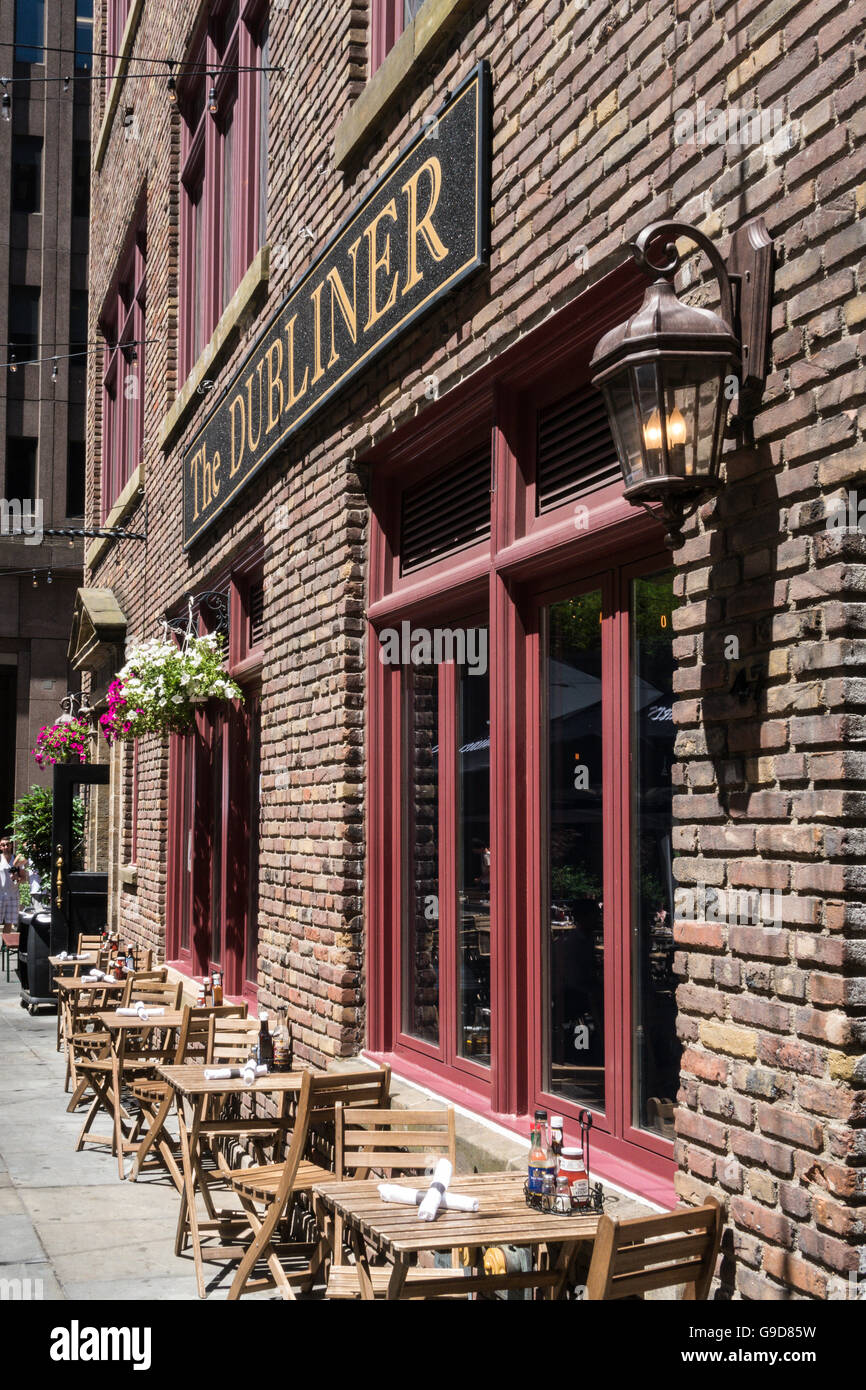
pixel 171 88
pixel 652 431
pixel 212 104
pixel 676 427
pixel 35 581
pixel 675 430
pixel 6 104
pixel 66 84
pixel 13 363
pixel 54 370
pixel 49 580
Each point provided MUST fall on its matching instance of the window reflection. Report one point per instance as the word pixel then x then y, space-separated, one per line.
pixel 421 856
pixel 575 967
pixel 473 884
pixel 656 1049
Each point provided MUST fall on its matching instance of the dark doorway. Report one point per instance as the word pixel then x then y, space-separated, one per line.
pixel 8 686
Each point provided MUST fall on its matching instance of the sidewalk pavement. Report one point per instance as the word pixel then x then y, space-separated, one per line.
pixel 65 1217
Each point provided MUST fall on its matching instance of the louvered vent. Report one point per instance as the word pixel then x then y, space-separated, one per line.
pixel 257 612
pixel 447 513
pixel 575 452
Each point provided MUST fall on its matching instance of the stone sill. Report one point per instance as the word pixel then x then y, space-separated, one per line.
pixel 117 81
pixel 433 22
pixel 243 302
pixel 128 875
pixel 126 502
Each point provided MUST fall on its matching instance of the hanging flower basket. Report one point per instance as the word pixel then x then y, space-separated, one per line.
pixel 160 685
pixel 63 742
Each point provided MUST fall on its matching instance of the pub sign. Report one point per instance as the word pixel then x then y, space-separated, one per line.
pixel 420 231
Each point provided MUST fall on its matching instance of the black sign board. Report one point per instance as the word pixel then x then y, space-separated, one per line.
pixel 420 231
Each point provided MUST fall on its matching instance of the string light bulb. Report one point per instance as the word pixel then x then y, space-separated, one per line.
pixel 49 580
pixel 66 82
pixel 6 101
pixel 35 581
pixel 54 370
pixel 13 363
pixel 171 85
pixel 212 103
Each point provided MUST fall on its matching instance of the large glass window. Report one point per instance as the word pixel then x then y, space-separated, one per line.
pixel 27 173
pixel 656 1050
pixel 420 1003
pixel 222 93
pixel 575 852
pixel 123 327
pixel 473 863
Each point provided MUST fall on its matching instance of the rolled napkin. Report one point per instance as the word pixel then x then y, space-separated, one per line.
pixel 436 1191
pixel 414 1196
pixel 128 1013
pixel 95 975
pixel 64 955
pixel 233 1073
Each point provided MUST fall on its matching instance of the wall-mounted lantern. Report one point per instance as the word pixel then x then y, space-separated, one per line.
pixel 669 373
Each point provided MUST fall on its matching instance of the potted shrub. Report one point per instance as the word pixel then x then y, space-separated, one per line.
pixel 161 683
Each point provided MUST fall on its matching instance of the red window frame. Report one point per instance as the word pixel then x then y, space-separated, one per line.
pixel 116 15
pixel 388 19
pixel 223 172
pixel 528 557
pixel 122 325
pixel 213 836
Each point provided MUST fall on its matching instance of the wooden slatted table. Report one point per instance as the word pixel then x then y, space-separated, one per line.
pixel 196 1096
pixel 503 1219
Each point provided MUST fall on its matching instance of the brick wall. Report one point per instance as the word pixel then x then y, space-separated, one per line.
pixel 585 103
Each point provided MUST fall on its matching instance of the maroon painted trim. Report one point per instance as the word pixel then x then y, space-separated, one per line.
pixel 638 1172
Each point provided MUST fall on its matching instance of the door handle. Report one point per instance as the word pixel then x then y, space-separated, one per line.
pixel 59 881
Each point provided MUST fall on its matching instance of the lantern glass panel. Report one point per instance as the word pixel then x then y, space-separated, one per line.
pixel 625 427
pixel 692 395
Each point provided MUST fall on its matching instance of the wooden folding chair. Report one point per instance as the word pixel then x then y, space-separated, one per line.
pixel 155 1097
pixel 104 1068
pixel 386 1144
pixel 274 1186
pixel 630 1258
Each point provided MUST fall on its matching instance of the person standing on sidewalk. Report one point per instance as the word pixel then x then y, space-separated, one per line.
pixel 10 878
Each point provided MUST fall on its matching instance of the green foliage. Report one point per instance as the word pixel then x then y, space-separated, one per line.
pixel 569 881
pixel 31 827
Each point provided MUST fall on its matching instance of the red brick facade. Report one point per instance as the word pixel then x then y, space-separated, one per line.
pixel 585 103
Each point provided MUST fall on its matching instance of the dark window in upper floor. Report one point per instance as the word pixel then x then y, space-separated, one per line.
pixel 26 173
pixel 81 178
pixel 24 321
pixel 122 323
pixel 20 468
pixel 84 35
pixel 75 461
pixel 29 31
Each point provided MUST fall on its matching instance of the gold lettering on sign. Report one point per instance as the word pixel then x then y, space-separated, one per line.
pixel 193 469
pixel 316 297
pixel 215 469
pixel 294 395
pixel 423 228
pixel 338 293
pixel 378 263
pixel 257 371
pixel 238 435
pixel 275 382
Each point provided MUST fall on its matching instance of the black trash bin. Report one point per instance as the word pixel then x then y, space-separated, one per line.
pixel 34 948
